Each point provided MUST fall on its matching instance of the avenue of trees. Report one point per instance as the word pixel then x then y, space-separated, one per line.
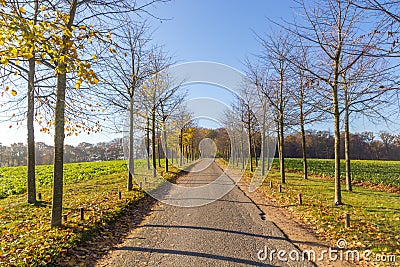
pixel 70 65
pixel 335 62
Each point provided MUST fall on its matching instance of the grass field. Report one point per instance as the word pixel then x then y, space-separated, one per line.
pixel 373 171
pixel 13 179
pixel 26 238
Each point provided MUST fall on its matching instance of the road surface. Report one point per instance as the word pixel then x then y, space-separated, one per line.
pixel 226 232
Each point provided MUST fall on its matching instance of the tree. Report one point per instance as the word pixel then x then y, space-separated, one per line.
pixel 168 103
pixel 157 89
pixel 273 81
pixel 67 60
pixel 365 88
pixel 244 108
pixel 128 70
pixel 18 31
pixel 332 32
pixel 306 97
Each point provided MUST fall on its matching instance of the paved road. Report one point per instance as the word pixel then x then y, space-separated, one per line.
pixel 227 232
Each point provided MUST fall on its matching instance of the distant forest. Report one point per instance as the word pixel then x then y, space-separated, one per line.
pixel 365 145
pixel 15 155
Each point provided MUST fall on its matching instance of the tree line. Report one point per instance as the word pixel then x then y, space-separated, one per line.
pixel 15 154
pixel 334 62
pixel 69 65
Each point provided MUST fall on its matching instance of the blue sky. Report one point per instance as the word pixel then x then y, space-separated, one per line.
pixel 220 31
pixel 202 30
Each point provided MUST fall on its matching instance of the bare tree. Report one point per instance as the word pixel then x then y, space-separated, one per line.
pixel 332 32
pixel 127 71
pixel 272 79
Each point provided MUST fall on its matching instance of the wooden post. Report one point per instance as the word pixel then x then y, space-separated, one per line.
pixel 65 217
pixel 39 196
pixel 300 199
pixel 270 184
pixel 82 212
pixel 119 195
pixel 280 188
pixel 347 220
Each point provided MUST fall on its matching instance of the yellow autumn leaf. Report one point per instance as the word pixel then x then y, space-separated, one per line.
pixel 22 10
pixel 27 55
pixel 13 92
pixel 4 61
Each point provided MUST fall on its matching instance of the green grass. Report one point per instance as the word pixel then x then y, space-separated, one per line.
pixel 373 171
pixel 375 215
pixel 13 179
pixel 26 238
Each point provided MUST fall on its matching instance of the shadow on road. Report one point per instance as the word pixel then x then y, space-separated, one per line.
pixel 195 254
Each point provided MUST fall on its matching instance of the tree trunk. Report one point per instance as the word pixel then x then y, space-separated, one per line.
pixel 250 145
pixel 281 125
pixel 148 142
pixel 31 132
pixel 336 118
pixel 347 141
pixel 255 151
pixel 281 142
pixel 153 141
pixel 242 149
pixel 56 209
pixel 181 148
pixel 131 169
pixel 165 146
pixel 159 149
pixel 30 121
pixel 303 133
pixel 262 156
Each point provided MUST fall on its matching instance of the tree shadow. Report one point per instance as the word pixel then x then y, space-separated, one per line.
pixel 112 233
pixel 196 254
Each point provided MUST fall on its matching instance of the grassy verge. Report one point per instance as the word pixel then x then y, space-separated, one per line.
pixel 375 215
pixel 26 237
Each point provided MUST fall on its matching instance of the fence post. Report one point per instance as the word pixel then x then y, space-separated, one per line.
pixel 300 199
pixel 82 212
pixel 347 220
